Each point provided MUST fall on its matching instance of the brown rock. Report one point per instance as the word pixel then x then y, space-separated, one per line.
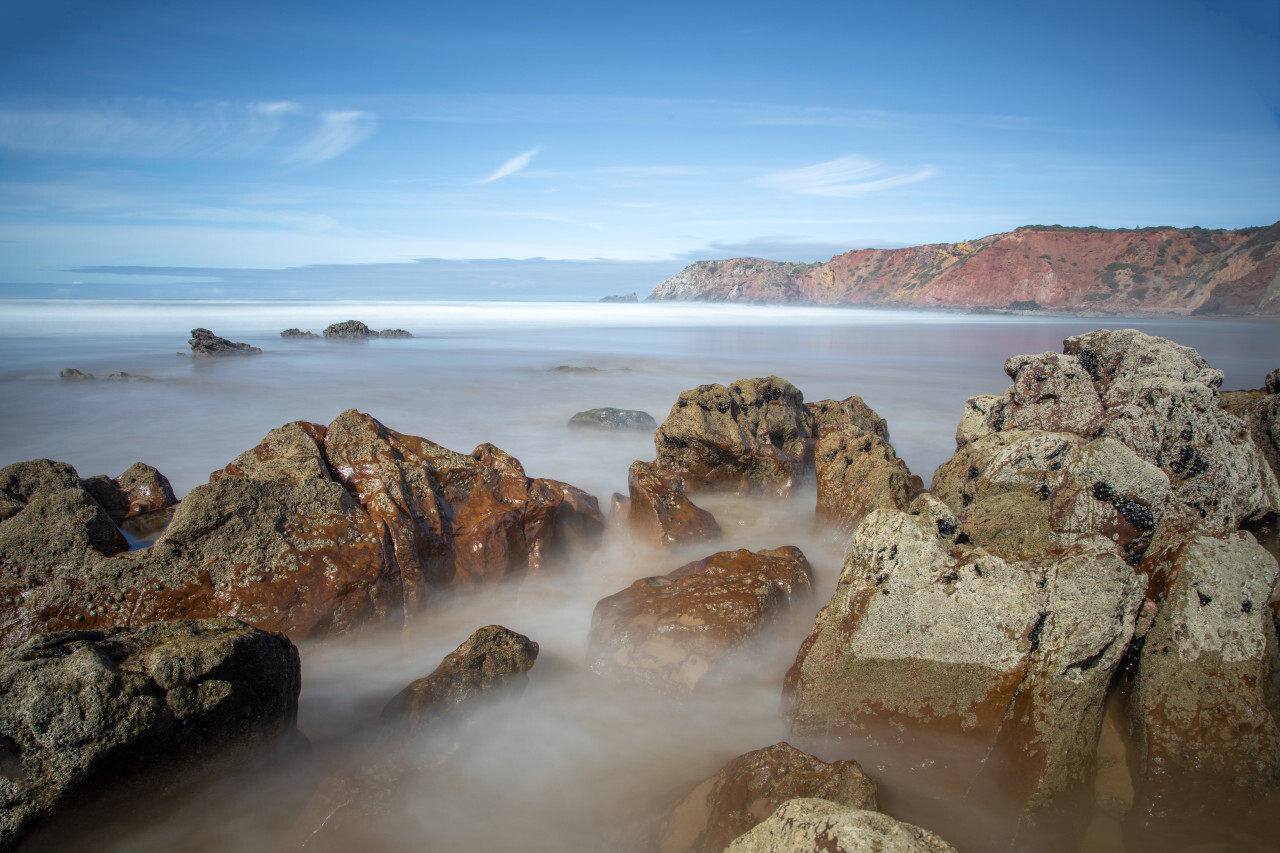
pixel 205 342
pixel 807 825
pixel 671 632
pixel 658 511
pixel 830 415
pixel 857 471
pixel 748 789
pixel 753 436
pixel 1261 414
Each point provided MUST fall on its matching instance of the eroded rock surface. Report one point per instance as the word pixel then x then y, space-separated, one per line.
pixel 1016 656
pixel 748 789
pixel 319 530
pixel 671 632
pixel 858 471
pixel 80 709
pixel 139 490
pixel 821 826
pixel 205 342
pixel 659 512
pixel 1261 414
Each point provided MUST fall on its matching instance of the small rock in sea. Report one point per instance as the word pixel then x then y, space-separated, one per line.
pixel 608 418
pixel 205 342
pixel 122 376
pixel 297 333
pixel 569 368
pixel 351 330
pixel 630 297
pixel 394 333
pixel 73 375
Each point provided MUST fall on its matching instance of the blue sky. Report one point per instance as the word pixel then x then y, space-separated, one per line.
pixel 175 148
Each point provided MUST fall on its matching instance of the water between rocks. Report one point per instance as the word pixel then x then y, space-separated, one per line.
pixel 575 761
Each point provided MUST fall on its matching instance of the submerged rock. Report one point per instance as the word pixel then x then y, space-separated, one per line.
pixel 71 374
pixel 608 418
pixel 314 532
pixel 748 789
pixel 672 632
pixel 659 512
pixel 87 710
pixel 394 333
pixel 297 333
pixel 205 342
pixel 821 826
pixel 122 376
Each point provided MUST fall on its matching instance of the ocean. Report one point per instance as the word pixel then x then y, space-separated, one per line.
pixel 573 762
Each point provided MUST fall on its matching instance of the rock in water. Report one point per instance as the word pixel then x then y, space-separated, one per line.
pixel 394 333
pixel 139 490
pixel 81 710
pixel 748 789
pixel 350 329
pixel 821 826
pixel 71 374
pixel 659 511
pixel 608 418
pixel 670 633
pixel 858 471
pixel 753 436
pixel 297 333
pixel 205 342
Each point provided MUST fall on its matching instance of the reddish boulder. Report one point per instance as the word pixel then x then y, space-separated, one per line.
pixel 138 491
pixel 672 632
pixel 658 510
pixel 748 789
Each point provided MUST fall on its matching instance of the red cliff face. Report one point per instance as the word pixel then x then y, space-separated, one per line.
pixel 1148 270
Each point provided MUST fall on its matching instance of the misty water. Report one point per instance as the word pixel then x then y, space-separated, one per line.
pixel 574 762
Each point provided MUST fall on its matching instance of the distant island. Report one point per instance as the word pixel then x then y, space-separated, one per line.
pixel 1055 268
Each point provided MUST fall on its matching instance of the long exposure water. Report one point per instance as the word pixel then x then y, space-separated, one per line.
pixel 574 762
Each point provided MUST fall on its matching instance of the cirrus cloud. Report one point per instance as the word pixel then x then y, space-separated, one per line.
pixel 844 177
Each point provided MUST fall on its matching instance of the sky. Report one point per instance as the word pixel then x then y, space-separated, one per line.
pixel 558 150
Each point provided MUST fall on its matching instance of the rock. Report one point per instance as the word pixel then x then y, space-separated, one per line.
pixel 297 333
pixel 317 531
pixel 748 789
pixel 1015 657
pixel 1024 493
pixel 1272 384
pixel 1154 396
pixel 857 471
pixel 670 633
pixel 493 657
pixel 1199 702
pixel 659 512
pixel 351 330
pixel 608 418
pixel 630 297
pixel 70 374
pixel 87 710
pixel 570 368
pixel 129 377
pixel 1261 414
pixel 139 490
pixel 205 342
pixel 753 436
pixel 49 525
pixel 831 415
pixel 820 826
pixel 394 333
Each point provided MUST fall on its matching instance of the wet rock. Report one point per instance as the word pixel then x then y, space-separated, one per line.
pixel 122 376
pixel 1023 493
pixel 493 657
pixel 320 530
pixel 659 511
pixel 1014 657
pixel 1156 397
pixel 87 710
pixel 831 415
pixel 1199 704
pixel 857 471
pixel 608 418
pixel 205 342
pixel 394 333
pixel 670 633
pixel 821 826
pixel 753 436
pixel 349 330
pixel 71 374
pixel 138 491
pixel 748 789
pixel 297 333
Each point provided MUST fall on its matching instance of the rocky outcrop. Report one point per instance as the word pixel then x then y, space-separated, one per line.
pixel 629 297
pixel 354 330
pixel 1199 704
pixel 317 531
pixel 748 789
pixel 1155 397
pixel 1123 271
pixel 928 634
pixel 659 512
pixel 297 333
pixel 607 418
pixel 139 490
pixel 821 826
pixel 204 342
pixel 81 710
pixel 753 436
pixel 672 632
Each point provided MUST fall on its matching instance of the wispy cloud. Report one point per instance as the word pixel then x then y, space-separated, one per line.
pixel 844 177
pixel 515 164
pixel 339 132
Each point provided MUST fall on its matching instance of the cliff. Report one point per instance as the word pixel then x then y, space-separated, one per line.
pixel 1121 271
